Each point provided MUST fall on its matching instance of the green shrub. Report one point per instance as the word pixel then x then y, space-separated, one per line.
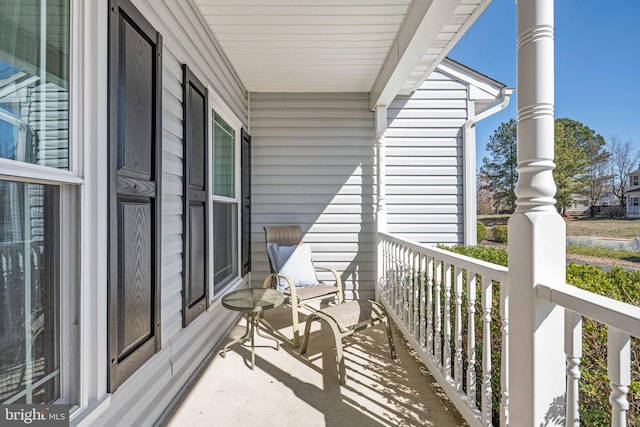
pixel 486 253
pixel 481 232
pixel 500 234
pixel 618 284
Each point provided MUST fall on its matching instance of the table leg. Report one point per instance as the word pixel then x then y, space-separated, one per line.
pixel 262 320
pixel 252 319
pixel 242 338
pixel 252 328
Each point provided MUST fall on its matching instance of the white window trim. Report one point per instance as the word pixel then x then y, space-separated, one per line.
pixel 89 130
pixel 217 104
pixel 68 181
pixel 28 172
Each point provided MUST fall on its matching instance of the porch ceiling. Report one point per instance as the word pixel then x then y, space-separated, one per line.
pixel 337 45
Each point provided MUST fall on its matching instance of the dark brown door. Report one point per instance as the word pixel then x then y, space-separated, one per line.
pixel 195 289
pixel 135 66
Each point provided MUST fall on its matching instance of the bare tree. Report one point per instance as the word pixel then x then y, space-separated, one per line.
pixel 597 172
pixel 623 159
pixel 484 195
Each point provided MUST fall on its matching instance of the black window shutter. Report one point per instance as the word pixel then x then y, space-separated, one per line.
pixel 195 289
pixel 246 202
pixel 135 159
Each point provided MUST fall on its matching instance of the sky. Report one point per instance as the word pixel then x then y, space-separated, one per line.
pixel 597 64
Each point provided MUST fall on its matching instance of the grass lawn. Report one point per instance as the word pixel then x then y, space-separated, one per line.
pixel 595 227
pixel 611 228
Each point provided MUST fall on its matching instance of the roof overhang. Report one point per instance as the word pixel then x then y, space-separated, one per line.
pixel 483 90
pixel 384 47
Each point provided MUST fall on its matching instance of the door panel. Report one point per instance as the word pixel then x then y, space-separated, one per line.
pixel 135 324
pixel 138 117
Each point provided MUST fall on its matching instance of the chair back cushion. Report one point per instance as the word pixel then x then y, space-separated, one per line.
pixel 293 261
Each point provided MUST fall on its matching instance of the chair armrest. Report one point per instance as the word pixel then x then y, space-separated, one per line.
pixel 338 282
pixel 292 287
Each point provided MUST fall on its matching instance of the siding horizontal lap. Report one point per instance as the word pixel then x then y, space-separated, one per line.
pixel 313 165
pixel 424 159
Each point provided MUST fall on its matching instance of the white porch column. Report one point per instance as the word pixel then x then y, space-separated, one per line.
pixel 381 148
pixel 536 233
pixel 381 200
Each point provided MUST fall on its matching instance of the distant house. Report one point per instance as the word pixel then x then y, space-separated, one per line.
pixel 633 195
pixel 580 204
pixel 608 198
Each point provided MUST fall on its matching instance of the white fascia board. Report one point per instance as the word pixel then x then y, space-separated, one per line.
pixel 481 87
pixel 421 26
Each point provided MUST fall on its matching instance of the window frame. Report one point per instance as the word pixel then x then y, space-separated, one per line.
pixel 70 182
pixel 635 180
pixel 220 107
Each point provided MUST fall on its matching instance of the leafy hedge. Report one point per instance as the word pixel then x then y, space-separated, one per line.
pixel 481 232
pixel 619 284
pixel 500 234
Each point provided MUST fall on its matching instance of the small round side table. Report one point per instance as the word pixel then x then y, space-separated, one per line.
pixel 253 302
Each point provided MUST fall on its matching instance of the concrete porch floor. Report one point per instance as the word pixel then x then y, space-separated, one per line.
pixel 289 389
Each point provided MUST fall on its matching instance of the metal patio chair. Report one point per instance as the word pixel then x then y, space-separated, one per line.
pixel 294 274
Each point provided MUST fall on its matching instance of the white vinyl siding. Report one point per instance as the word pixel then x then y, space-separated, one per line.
pixel 425 162
pixel 313 165
pixel 186 39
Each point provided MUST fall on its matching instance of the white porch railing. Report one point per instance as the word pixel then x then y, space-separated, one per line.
pixel 432 296
pixel 622 321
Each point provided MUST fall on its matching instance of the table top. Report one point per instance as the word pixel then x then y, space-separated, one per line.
pixel 253 299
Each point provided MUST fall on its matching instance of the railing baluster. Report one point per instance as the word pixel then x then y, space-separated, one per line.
pixel 408 289
pixel 423 297
pixel 573 350
pixel 438 314
pixel 486 351
pixel 457 363
pixel 447 321
pixel 408 286
pixel 504 360
pixel 471 339
pixel 394 276
pixel 429 303
pixel 406 257
pixel 383 279
pixel 403 284
pixel 619 370
pixel 417 285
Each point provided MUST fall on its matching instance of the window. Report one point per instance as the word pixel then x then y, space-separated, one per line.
pixel 635 202
pixel 34 82
pixel 35 266
pixel 230 189
pixel 635 180
pixel 29 284
pixel 225 200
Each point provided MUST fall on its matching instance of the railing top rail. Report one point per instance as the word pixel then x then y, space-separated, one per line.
pixel 622 316
pixel 493 271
